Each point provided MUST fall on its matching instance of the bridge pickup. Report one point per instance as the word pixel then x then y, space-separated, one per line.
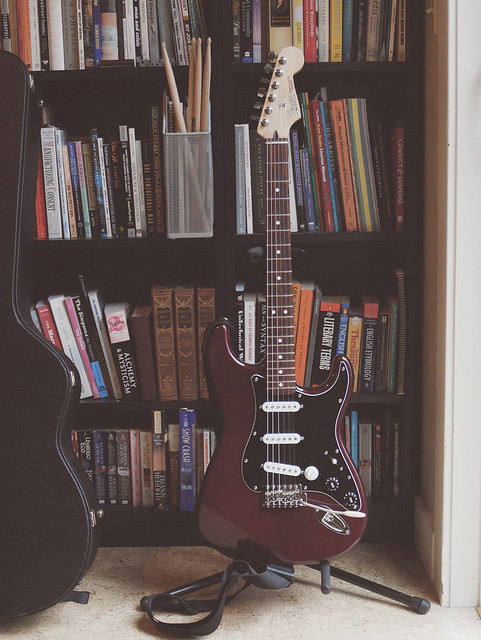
pixel 282 469
pixel 281 438
pixel 281 407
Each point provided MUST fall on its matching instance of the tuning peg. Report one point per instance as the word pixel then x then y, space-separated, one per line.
pixel 254 118
pixel 261 92
pixel 257 106
pixel 268 68
pixel 271 56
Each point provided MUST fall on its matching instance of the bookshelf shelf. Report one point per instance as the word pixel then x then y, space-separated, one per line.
pixel 353 263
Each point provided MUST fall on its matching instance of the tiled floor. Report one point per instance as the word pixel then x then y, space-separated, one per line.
pixel 120 577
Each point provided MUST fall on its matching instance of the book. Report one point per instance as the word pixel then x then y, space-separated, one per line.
pixel 399 170
pixel 205 316
pixel 55 35
pixel 303 330
pixel 159 460
pixel 117 316
pixel 354 341
pixel 393 310
pixel 47 323
pixel 279 25
pixel 40 208
pixel 164 337
pixel 79 337
pixel 326 338
pixel 250 299
pixel 112 480
pixel 186 342
pixel 354 422
pixel 124 473
pixel 338 115
pixel 187 455
pixel 135 467
pixel 369 342
pixel 141 323
pixel 146 465
pixel 174 464
pixel 50 180
pixel 68 341
pixel 86 453
pixel 335 33
pixel 100 466
pixel 365 456
pixel 343 325
pixel 402 330
pixel 313 333
pixel 97 305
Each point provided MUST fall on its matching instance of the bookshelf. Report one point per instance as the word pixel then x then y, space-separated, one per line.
pixel 354 263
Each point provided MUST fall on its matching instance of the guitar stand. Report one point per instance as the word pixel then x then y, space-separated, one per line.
pixel 264 576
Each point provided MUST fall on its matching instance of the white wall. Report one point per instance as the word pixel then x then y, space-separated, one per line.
pixel 448 515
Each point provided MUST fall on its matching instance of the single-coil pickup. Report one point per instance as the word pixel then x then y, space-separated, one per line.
pixel 281 438
pixel 281 407
pixel 282 469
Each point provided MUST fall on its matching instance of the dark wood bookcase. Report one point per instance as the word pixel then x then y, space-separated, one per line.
pixel 352 263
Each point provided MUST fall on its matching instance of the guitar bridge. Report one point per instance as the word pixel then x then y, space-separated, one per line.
pixel 283 496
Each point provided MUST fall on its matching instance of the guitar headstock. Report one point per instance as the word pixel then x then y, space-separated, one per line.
pixel 281 106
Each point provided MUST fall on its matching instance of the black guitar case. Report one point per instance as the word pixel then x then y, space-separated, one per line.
pixel 48 529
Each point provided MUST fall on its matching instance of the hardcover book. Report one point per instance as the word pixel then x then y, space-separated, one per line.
pixel 164 334
pixel 117 315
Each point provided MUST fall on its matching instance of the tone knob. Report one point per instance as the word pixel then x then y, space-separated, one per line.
pixel 311 473
pixel 332 483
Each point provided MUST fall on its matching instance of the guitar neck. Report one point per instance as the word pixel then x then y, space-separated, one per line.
pixel 280 318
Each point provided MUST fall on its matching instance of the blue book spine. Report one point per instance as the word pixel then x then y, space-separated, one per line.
pixel 347 22
pixel 343 327
pixel 329 168
pixel 187 460
pixel 308 192
pixel 355 438
pixel 97 32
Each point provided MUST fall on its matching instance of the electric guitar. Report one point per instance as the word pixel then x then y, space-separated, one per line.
pixel 49 531
pixel 281 485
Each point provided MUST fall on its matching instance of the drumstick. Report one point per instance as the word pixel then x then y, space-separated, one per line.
pixel 197 85
pixel 190 92
pixel 204 117
pixel 179 117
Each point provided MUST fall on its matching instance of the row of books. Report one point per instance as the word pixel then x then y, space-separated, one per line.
pixel 366 330
pixel 325 30
pixel 150 352
pixel 374 447
pixel 160 467
pixel 346 170
pixel 91 186
pixel 78 34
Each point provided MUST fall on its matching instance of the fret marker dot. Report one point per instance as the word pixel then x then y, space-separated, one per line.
pixel 280 340
pixel 278 251
pixel 285 311
pixel 281 371
pixel 278 277
pixel 278 222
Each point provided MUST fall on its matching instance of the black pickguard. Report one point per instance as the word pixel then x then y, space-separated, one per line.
pixel 320 447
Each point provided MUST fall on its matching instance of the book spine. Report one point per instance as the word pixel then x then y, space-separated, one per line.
pixel 75 179
pixel 159 461
pixel 365 456
pixel 97 312
pixel 355 438
pixel 83 192
pixel 279 25
pixel 142 336
pixel 72 314
pixel 105 188
pixel 187 424
pixel 99 189
pixel 246 37
pixel 86 453
pixel 91 191
pixel 335 35
pixel 146 466
pixel 399 169
pixel 87 327
pixel 40 207
pixel 47 323
pixel 55 35
pixel 135 467
pixel 110 188
pixel 100 467
pixel 402 329
pixel 112 480
pixel 324 29
pixel 163 320
pixel 205 316
pixel 116 317
pixel 124 468
pixel 174 465
pixel 156 160
pixel 240 177
pixel 69 343
pixel 310 31
pixel 186 343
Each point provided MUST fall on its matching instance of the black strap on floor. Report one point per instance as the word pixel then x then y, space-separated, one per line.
pixel 265 577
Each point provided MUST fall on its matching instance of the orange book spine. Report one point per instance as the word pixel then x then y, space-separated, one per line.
pixel 303 331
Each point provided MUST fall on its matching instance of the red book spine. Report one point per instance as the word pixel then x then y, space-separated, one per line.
pixel 40 210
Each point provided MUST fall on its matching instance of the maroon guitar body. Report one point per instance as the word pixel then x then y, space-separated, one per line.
pixel 281 486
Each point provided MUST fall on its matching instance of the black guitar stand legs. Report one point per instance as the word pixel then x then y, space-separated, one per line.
pixel 419 605
pixel 269 576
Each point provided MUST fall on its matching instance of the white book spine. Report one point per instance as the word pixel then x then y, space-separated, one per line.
pixel 135 181
pixel 62 189
pixel 55 35
pixel 129 31
pixel 50 180
pixel 144 30
pixel 80 35
pixel 250 300
pixel 67 338
pixel 105 194
pixel 323 30
pixel 34 35
pixel 140 178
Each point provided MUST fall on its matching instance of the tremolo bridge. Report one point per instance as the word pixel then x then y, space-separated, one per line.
pixel 283 496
